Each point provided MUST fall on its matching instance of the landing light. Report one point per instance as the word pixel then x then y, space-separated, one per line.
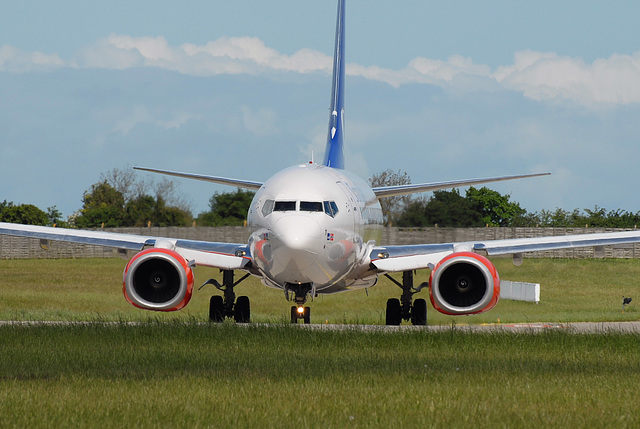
pixel 300 310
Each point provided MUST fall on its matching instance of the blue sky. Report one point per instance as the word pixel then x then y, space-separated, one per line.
pixel 442 89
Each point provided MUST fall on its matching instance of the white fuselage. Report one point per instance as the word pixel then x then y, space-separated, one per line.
pixel 313 224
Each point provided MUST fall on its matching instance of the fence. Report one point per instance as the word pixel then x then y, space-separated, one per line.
pixel 21 248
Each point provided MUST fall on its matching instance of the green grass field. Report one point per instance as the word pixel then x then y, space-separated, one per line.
pixel 572 290
pixel 200 375
pixel 175 371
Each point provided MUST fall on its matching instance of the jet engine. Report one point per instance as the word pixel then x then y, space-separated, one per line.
pixel 464 283
pixel 158 279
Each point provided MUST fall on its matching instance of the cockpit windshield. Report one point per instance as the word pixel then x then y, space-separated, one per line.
pixel 328 207
pixel 310 206
pixel 285 206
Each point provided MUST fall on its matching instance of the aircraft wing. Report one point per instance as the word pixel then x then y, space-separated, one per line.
pixel 245 184
pixel 390 191
pixel 228 256
pixel 413 257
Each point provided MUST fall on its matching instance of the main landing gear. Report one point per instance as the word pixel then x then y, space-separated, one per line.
pixel 299 292
pixel 227 305
pixel 403 308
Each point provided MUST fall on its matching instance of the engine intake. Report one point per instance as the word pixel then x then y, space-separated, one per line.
pixel 464 283
pixel 158 279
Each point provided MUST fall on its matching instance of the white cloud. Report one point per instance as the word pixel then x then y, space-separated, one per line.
pixel 447 71
pixel 152 49
pixel 537 75
pixel 261 123
pixel 176 121
pixel 237 48
pixel 227 55
pixel 548 76
pixel 137 115
pixel 15 61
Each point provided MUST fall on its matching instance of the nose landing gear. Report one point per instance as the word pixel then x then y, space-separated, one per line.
pixel 299 292
pixel 298 313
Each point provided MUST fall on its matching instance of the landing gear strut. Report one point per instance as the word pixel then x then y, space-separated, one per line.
pixel 405 308
pixel 227 305
pixel 299 293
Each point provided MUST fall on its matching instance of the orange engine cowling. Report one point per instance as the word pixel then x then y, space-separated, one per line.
pixel 464 283
pixel 158 279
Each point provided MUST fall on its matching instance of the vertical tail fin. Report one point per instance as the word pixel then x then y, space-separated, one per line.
pixel 334 154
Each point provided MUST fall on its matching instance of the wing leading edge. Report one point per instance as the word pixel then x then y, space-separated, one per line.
pixel 228 256
pixel 390 191
pixel 244 184
pixel 414 257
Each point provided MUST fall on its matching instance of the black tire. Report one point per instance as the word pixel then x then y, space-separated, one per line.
pixel 294 314
pixel 307 315
pixel 242 310
pixel 393 312
pixel 419 312
pixel 216 309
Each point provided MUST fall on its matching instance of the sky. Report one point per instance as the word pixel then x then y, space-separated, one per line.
pixel 443 90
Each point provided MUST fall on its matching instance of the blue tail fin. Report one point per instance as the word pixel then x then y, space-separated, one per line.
pixel 334 154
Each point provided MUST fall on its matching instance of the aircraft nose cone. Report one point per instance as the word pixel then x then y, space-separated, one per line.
pixel 296 242
pixel 297 233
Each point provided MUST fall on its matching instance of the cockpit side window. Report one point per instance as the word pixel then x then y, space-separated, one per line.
pixel 330 208
pixel 285 206
pixel 267 208
pixel 310 206
pixel 334 207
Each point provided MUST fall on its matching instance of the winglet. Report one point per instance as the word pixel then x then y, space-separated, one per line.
pixel 334 154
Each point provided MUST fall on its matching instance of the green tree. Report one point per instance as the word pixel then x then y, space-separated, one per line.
pixel 496 208
pixel 227 209
pixel 145 209
pixel 121 199
pixel 103 205
pixel 445 209
pixel 560 218
pixel 392 207
pixel 26 214
pixel 55 217
pixel 140 211
pixel 598 217
pixel 623 219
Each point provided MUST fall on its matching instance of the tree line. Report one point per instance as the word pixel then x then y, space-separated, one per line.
pixel 485 207
pixel 121 199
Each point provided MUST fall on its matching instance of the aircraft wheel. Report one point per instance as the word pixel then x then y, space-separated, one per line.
pixel 394 316
pixel 216 308
pixel 419 312
pixel 242 310
pixel 307 315
pixel 294 314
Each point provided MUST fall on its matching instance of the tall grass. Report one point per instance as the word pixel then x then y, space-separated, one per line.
pixel 201 375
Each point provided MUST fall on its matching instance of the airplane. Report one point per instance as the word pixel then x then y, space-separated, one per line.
pixel 315 230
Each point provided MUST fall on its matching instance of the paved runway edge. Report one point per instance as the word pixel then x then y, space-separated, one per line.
pixel 574 328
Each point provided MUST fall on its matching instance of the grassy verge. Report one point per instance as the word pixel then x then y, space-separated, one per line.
pixel 197 375
pixel 572 290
